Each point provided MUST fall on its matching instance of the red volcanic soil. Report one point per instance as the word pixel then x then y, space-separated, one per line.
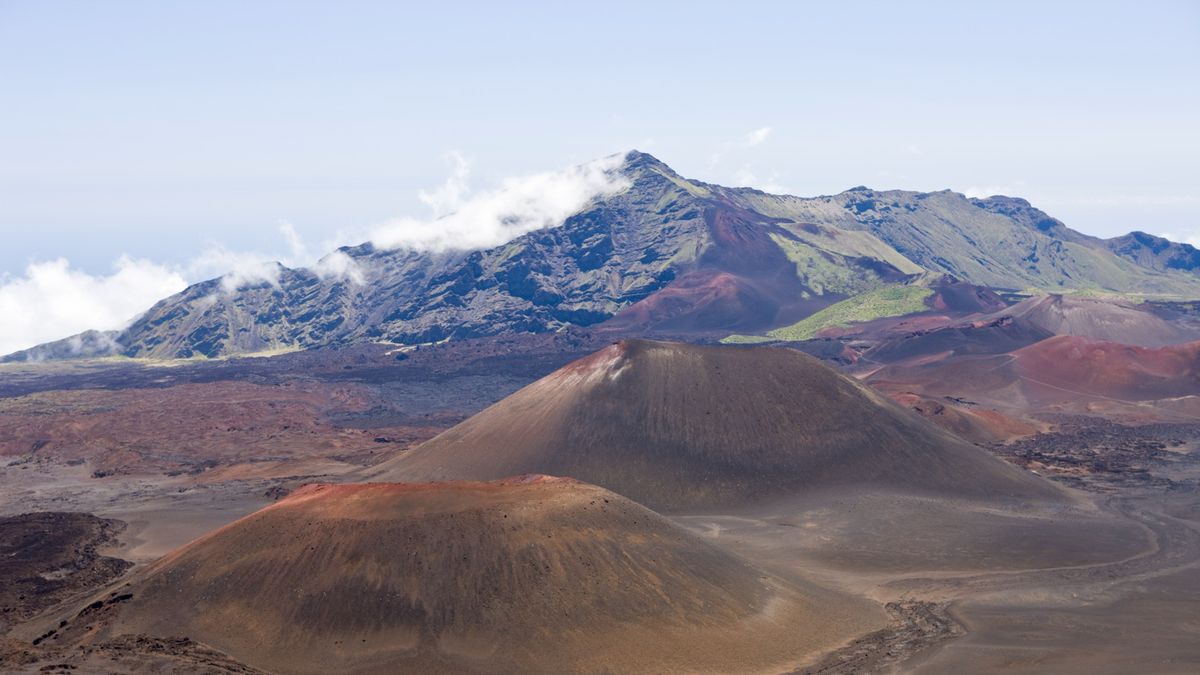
pixel 703 300
pixel 534 574
pixel 960 297
pixel 975 424
pixel 742 282
pixel 679 426
pixel 194 427
pixel 1060 374
pixel 1125 372
pixel 1023 324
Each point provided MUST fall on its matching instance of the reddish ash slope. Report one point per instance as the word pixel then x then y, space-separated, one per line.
pixel 678 426
pixel 742 282
pixel 1112 370
pixel 975 424
pixel 195 426
pixel 919 337
pixel 534 574
pixel 970 394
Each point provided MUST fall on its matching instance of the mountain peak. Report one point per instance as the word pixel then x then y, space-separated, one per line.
pixel 663 253
pixel 638 163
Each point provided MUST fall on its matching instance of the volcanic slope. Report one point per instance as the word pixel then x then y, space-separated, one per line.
pixel 1098 319
pixel 1109 370
pixel 679 426
pixel 1062 374
pixel 529 574
pixel 1025 323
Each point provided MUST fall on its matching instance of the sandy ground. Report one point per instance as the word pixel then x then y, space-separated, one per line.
pixel 162 512
pixel 1109 589
pixel 1109 584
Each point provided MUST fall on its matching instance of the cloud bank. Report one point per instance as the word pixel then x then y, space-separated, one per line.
pixel 52 300
pixel 493 217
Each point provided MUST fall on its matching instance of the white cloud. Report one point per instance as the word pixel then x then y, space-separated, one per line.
pixel 295 243
pixel 749 140
pixel 757 136
pixel 52 300
pixel 449 196
pixel 240 269
pixel 338 265
pixel 236 269
pixel 491 218
pixel 1192 238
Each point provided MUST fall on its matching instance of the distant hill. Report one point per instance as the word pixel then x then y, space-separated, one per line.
pixel 666 255
pixel 677 426
pixel 1056 375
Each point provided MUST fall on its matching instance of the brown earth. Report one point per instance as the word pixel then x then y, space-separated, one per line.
pixel 971 585
pixel 194 427
pixel 533 574
pixel 926 337
pixel 1100 319
pixel 969 422
pixel 46 558
pixel 681 426
pixel 988 398
pixel 1110 370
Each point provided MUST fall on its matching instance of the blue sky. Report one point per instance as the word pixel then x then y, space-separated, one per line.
pixel 160 130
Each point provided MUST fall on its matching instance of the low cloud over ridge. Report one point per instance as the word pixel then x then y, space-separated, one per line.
pixel 53 300
pixel 518 206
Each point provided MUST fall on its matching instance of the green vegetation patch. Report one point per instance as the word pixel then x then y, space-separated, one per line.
pixel 746 339
pixel 882 302
pixel 690 187
pixel 851 244
pixel 824 272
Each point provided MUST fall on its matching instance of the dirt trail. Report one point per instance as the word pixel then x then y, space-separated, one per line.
pixel 1176 547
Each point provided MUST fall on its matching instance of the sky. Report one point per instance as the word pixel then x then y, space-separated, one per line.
pixel 145 145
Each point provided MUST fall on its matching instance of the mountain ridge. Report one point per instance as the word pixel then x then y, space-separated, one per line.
pixel 664 254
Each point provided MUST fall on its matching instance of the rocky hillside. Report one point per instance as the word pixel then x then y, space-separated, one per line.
pixel 666 254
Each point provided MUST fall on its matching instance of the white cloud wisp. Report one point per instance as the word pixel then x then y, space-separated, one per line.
pixel 52 300
pixel 518 206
